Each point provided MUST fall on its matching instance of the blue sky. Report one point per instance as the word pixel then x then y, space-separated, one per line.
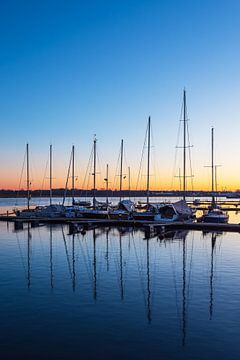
pixel 70 69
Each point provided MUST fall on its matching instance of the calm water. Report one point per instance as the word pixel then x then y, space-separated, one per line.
pixel 111 294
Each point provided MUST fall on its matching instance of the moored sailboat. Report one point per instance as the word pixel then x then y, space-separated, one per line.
pixel 48 211
pixel 124 208
pixel 96 211
pixel 215 214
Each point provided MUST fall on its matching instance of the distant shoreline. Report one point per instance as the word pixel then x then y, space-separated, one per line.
pixel 113 193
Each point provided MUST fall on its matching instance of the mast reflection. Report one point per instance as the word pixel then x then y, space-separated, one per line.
pixel 29 251
pixel 51 258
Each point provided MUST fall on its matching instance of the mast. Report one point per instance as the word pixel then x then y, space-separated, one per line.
pixel 148 159
pixel 121 166
pixel 216 184
pixel 184 143
pixel 73 173
pixel 94 171
pixel 180 181
pixel 50 174
pixel 129 181
pixel 106 184
pixel 28 181
pixel 66 185
pixel 212 140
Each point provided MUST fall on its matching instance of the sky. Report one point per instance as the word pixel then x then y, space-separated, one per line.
pixel 72 69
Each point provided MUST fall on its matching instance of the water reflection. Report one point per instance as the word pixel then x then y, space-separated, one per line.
pixel 164 280
pixel 213 237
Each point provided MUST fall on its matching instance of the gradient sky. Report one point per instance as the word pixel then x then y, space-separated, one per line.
pixel 72 69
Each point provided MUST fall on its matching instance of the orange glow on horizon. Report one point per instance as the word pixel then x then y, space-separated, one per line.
pixel 161 186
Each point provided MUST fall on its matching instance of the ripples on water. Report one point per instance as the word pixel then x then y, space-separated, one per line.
pixel 111 294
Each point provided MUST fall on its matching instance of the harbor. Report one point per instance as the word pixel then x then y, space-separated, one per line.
pixel 119 180
pixel 178 212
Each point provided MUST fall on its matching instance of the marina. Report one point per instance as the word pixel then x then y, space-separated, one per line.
pixel 119 180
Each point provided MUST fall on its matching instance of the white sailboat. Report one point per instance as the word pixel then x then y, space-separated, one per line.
pixel 124 208
pixel 97 211
pixel 215 214
pixel 162 212
pixel 49 211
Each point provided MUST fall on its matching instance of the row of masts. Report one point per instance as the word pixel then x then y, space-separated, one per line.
pixel 94 173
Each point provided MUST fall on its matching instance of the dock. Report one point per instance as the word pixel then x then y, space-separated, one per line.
pixel 151 228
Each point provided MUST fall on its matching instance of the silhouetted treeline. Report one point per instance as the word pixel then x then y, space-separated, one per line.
pixel 103 193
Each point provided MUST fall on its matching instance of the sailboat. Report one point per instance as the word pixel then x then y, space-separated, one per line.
pixel 125 207
pixel 215 214
pixel 96 212
pixel 169 212
pixel 159 211
pixel 151 211
pixel 179 211
pixel 51 210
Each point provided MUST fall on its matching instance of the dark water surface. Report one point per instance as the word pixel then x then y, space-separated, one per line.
pixel 111 294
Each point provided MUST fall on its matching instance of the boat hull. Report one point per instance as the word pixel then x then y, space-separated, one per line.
pixel 215 219
pixel 94 215
pixel 147 216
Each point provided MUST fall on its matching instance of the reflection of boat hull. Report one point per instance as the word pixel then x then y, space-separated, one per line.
pixel 76 228
pixel 144 215
pixel 216 215
pixel 94 214
pixel 215 219
pixel 119 215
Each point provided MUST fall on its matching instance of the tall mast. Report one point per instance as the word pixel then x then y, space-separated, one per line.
pixel 73 173
pixel 107 184
pixel 94 171
pixel 50 174
pixel 121 166
pixel 28 181
pixel 212 145
pixel 148 159
pixel 184 143
pixel 129 181
pixel 212 140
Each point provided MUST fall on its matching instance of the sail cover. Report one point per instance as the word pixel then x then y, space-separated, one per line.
pixel 182 208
